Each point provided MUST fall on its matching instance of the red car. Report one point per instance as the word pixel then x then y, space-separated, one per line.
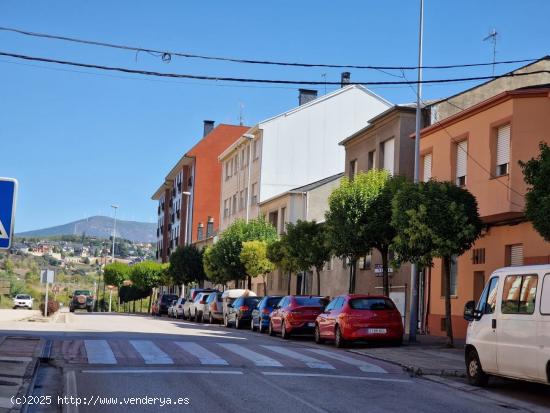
pixel 295 314
pixel 359 317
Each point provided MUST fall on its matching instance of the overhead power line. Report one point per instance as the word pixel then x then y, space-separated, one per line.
pixel 166 55
pixel 252 80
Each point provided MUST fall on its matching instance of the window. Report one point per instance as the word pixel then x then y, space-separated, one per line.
pixel 200 230
pixel 488 300
pixel 503 150
pixel 461 162
pixel 248 154
pixel 478 256
pixel 514 255
pixel 352 169
pixel 241 200
pixel 210 227
pixel 427 163
pixel 545 296
pixel 370 160
pixel 519 293
pixel 253 196
pixel 255 150
pixel 328 265
pixel 273 219
pixel 226 207
pixel 235 204
pixel 243 158
pixel 283 220
pixel 372 304
pixel 236 164
pixel 388 155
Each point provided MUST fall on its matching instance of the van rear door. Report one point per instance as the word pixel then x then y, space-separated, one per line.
pixel 544 330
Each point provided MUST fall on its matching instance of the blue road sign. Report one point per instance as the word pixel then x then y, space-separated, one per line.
pixel 8 195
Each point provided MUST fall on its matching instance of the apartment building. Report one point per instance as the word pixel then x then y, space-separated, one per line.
pixel 292 149
pixel 479 149
pixel 189 198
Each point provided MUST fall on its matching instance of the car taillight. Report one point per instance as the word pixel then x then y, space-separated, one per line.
pixel 265 311
pixel 243 308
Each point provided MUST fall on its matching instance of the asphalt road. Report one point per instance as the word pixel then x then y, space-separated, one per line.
pixel 110 362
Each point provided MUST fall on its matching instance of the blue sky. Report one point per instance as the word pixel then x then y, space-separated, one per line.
pixel 79 140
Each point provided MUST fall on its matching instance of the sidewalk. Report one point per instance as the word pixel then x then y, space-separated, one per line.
pixel 429 356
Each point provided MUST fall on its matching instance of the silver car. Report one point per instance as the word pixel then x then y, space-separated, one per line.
pixel 213 309
pixel 199 304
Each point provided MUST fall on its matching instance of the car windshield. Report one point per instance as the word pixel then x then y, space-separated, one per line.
pixel 371 304
pixel 23 297
pixel 82 292
pixel 272 301
pixel 309 301
pixel 169 298
pixel 252 300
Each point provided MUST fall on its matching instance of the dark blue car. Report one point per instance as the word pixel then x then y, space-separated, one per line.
pixel 260 315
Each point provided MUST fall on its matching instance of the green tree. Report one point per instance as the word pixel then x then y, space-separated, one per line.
pixel 186 265
pixel 116 273
pixel 212 267
pixel 308 244
pixel 254 258
pixel 346 221
pixel 147 275
pixel 278 252
pixel 435 219
pixel 536 174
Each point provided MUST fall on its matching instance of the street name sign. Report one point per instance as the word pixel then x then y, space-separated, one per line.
pixel 8 196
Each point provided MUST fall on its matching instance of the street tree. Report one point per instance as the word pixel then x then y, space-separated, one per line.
pixel 186 265
pixel 254 258
pixel 116 273
pixel 213 266
pixel 435 220
pixel 309 246
pixel 536 174
pixel 147 275
pixel 278 252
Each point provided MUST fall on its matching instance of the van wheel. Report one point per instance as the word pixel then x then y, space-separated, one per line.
pixel 474 371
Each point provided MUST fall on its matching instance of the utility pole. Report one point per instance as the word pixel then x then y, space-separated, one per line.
pixel 115 207
pixel 413 322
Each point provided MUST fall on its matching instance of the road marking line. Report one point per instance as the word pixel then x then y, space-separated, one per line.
pixel 156 371
pixel 150 353
pixel 205 356
pixel 257 358
pixel 362 365
pixel 99 352
pixel 309 361
pixel 70 391
pixel 333 376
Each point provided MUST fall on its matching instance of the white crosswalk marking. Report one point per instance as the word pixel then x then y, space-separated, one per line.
pixel 99 352
pixel 361 364
pixel 205 356
pixel 309 361
pixel 257 358
pixel 150 353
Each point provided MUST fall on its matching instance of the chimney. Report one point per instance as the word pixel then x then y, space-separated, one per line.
pixel 345 78
pixel 306 95
pixel 208 126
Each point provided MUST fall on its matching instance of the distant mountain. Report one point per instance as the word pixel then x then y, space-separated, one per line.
pixel 101 227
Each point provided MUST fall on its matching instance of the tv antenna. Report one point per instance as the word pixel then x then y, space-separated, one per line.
pixel 492 37
pixel 241 109
pixel 324 76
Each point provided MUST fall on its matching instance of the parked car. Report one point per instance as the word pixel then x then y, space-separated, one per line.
pixel 22 300
pixel 189 304
pixel 213 310
pixel 83 300
pixel 509 329
pixel 229 296
pixel 178 312
pixel 171 309
pixel 197 309
pixel 239 313
pixel 260 314
pixel 295 314
pixel 163 303
pixel 359 317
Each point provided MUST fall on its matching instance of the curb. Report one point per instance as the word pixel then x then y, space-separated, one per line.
pixel 414 370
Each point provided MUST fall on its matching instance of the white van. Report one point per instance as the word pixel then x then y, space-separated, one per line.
pixel 509 328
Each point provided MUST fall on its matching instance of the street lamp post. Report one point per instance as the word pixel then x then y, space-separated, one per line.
pixel 250 138
pixel 115 207
pixel 188 195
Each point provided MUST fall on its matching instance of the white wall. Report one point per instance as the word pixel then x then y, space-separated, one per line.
pixel 301 147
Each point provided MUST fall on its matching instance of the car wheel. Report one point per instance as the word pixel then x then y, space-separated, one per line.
pixel 225 321
pixel 284 333
pixel 271 331
pixel 261 328
pixel 210 319
pixel 317 334
pixel 474 371
pixel 71 310
pixel 238 325
pixel 252 327
pixel 338 339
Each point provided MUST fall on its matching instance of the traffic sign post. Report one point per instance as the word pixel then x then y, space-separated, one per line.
pixel 8 197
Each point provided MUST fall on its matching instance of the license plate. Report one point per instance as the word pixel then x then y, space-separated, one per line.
pixel 377 331
pixel 311 324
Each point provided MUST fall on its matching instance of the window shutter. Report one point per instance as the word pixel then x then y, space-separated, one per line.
pixel 516 255
pixel 503 145
pixel 461 158
pixel 427 167
pixel 389 155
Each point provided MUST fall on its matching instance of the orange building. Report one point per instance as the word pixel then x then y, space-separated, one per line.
pixel 189 198
pixel 479 148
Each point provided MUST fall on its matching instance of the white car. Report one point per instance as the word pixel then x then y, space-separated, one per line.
pixel 509 328
pixel 22 300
